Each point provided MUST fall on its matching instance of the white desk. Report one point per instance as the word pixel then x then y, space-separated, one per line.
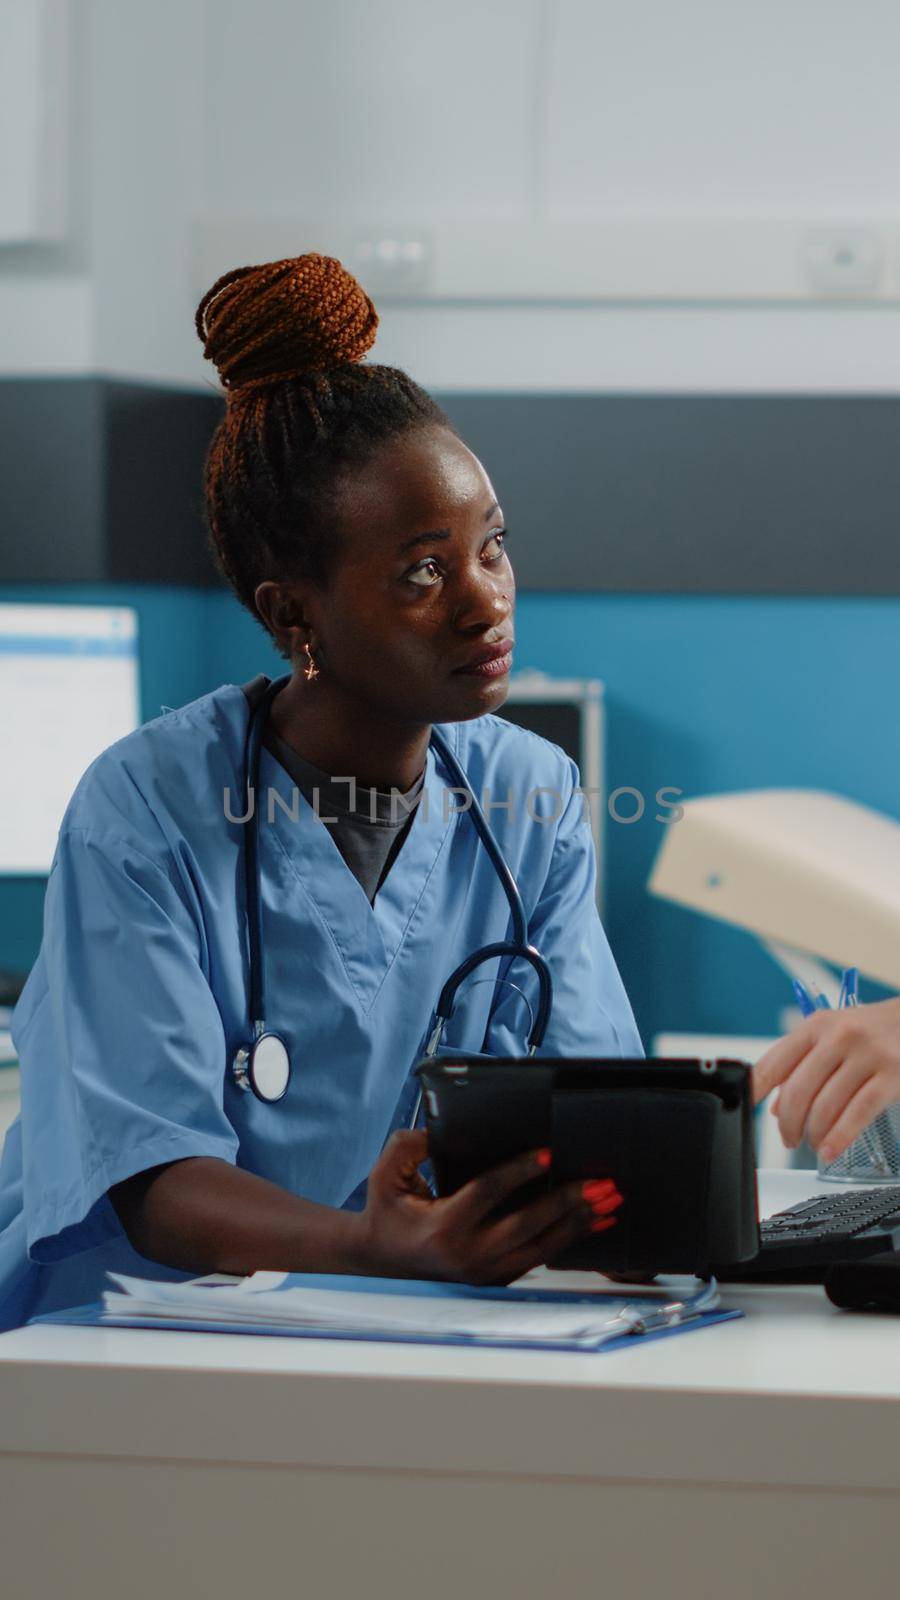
pixel 737 1461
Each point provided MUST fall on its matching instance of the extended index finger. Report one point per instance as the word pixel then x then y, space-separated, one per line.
pixel 781 1058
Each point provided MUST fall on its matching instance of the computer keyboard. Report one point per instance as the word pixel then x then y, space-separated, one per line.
pixel 800 1244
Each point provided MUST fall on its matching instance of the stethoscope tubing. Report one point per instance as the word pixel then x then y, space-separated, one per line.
pixel 517 947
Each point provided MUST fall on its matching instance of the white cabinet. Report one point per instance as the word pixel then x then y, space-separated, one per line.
pixel 33 95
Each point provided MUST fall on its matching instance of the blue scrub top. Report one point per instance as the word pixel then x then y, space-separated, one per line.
pixel 131 1016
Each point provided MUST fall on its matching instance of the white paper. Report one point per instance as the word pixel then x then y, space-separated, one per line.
pixel 253 1303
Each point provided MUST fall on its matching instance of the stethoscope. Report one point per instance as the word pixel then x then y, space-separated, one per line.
pixel 263 1066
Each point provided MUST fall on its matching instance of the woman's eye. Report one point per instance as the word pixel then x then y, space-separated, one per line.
pixel 414 575
pixel 417 572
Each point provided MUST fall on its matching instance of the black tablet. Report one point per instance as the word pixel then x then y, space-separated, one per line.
pixel 676 1135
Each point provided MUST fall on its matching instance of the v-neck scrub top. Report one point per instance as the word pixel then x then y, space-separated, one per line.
pixel 367 825
pixel 131 1016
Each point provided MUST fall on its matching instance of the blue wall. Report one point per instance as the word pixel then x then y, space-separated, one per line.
pixel 703 694
pixel 708 695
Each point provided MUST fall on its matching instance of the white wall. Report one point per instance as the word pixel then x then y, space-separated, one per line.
pixel 485 112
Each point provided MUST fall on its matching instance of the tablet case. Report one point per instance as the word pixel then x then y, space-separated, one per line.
pixel 627 1135
pixel 677 1137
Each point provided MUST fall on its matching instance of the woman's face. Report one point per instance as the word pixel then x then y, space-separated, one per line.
pixel 422 585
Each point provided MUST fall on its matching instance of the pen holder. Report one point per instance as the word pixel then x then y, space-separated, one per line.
pixel 872 1158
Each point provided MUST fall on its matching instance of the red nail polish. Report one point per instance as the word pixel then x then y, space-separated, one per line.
pixel 600 1224
pixel 544 1158
pixel 597 1186
pixel 601 1205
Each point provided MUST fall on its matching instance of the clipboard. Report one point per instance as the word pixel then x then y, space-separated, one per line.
pixel 642 1317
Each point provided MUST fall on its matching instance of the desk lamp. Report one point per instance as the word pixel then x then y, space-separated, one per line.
pixel 815 877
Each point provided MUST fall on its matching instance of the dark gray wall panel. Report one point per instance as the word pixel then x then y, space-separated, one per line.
pixel 51 480
pixel 156 441
pixel 100 481
pixel 712 494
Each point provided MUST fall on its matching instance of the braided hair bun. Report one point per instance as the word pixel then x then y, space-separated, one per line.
pixel 261 325
pixel 303 409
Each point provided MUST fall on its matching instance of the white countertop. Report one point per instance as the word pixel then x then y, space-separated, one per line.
pixel 795 1392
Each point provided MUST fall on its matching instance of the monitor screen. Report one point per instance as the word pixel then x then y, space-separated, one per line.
pixel 68 688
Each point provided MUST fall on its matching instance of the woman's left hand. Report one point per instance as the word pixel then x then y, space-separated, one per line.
pixel 836 1071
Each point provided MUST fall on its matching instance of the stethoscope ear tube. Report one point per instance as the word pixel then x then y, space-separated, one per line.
pixel 252 885
pixel 507 881
pixel 518 947
pixel 507 947
pixel 262 1066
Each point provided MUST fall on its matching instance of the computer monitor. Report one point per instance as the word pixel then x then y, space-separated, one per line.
pixel 68 688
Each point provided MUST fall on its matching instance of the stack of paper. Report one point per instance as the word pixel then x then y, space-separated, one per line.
pixel 376 1308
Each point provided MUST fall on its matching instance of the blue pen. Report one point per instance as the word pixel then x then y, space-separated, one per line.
pixel 806 1005
pixel 851 997
pixel 822 1002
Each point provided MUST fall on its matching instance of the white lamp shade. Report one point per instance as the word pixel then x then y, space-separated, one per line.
pixel 799 866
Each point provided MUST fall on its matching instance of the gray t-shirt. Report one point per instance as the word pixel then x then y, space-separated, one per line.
pixel 368 834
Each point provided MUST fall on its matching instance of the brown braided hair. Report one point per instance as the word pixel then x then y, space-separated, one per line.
pixel 288 340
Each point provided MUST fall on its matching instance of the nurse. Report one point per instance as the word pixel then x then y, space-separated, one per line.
pixel 354 524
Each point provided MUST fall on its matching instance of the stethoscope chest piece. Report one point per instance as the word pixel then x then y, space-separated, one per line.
pixel 264 1068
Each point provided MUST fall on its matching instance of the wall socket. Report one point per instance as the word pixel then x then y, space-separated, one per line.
pixel 843 260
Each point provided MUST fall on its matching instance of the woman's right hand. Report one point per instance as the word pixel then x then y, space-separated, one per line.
pixel 407 1232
